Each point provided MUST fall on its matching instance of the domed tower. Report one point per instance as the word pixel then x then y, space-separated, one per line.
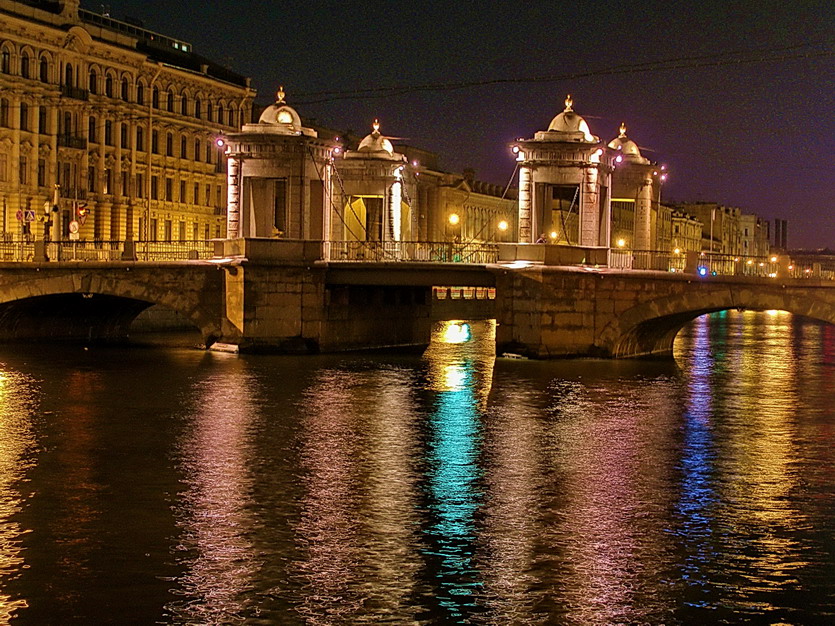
pixel 564 175
pixel 375 191
pixel 279 178
pixel 633 194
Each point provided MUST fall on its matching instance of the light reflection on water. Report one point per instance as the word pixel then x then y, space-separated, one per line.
pixel 449 488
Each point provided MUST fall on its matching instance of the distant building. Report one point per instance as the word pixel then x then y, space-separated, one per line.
pixel 754 235
pixel 124 119
pixel 686 232
pixel 721 231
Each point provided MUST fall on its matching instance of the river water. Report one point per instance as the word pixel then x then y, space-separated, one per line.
pixel 170 485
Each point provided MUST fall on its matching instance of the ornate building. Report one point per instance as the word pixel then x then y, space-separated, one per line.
pixel 124 120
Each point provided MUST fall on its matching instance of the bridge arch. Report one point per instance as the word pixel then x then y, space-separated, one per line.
pixel 77 306
pixel 650 328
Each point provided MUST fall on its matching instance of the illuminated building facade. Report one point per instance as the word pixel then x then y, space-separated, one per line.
pixel 564 183
pixel 123 119
pixel 687 233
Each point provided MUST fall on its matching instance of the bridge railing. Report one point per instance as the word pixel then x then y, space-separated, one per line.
pixel 97 250
pixel 413 251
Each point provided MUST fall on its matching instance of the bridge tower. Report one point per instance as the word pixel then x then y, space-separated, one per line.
pixel 564 179
pixel 636 188
pixel 374 192
pixel 279 178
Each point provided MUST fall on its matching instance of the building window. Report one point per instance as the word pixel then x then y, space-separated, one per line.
pixel 42 129
pixel 41 172
pixel 206 234
pixel 140 138
pixel 155 98
pixel 197 111
pixel 140 186
pixel 182 191
pixel 183 147
pixel 125 191
pixel 4 112
pixel 24 170
pixel 108 86
pixel 92 82
pixel 208 194
pixel 123 136
pixel 24 116
pixel 167 234
pixel 140 93
pixel 195 231
pixel 154 187
pixel 221 114
pixel 108 132
pixel 208 153
pixel 169 189
pixel 196 195
pixel 184 104
pixel 155 142
pixel 169 145
pixel 44 70
pixel 92 129
pixel 91 179
pixel 108 181
pixel 68 75
pixel 124 89
pixel 209 112
pixel 154 227
pixel 196 149
pixel 6 62
pixel 170 101
pixel 24 65
pixel 182 231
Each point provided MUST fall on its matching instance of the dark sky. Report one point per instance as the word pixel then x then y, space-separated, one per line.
pixel 742 109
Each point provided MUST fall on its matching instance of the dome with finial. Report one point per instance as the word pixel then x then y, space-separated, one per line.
pixel 375 142
pixel 375 145
pixel 627 147
pixel 283 119
pixel 573 126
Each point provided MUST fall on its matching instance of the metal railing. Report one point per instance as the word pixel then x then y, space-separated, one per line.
pixel 22 250
pixel 412 251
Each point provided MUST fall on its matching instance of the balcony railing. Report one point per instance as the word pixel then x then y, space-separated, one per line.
pixel 18 249
pixel 77 93
pixel 72 141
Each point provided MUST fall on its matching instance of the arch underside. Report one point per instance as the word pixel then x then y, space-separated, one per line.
pixel 650 329
pixel 66 309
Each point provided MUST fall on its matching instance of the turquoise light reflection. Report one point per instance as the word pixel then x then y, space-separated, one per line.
pixel 453 473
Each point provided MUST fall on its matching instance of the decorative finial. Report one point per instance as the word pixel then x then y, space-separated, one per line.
pixel 568 103
pixel 622 129
pixel 280 95
pixel 376 125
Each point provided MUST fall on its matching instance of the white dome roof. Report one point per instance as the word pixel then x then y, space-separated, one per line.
pixel 282 117
pixel 626 146
pixel 570 123
pixel 375 142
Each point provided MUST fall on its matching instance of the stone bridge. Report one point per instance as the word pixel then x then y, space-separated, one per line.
pixel 306 305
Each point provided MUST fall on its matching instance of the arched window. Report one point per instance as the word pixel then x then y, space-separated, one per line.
pixel 24 65
pixel 221 113
pixel 108 86
pixel 196 149
pixel 67 130
pixel 68 75
pixel 233 118
pixel 124 88
pixel 6 61
pixel 184 104
pixel 155 98
pixel 169 144
pixel 44 70
pixel 170 101
pixel 92 129
pixel 183 147
pixel 92 83
pixel 197 111
pixel 209 111
pixel 140 93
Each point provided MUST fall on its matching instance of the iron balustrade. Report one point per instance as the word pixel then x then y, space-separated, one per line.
pixel 412 251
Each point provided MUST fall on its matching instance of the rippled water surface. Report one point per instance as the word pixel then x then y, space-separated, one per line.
pixel 177 486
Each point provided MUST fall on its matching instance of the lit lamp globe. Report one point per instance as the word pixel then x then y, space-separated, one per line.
pixel 454 219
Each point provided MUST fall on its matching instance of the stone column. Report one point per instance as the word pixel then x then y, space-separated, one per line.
pixel 643 217
pixel 233 198
pixel 525 205
pixel 589 207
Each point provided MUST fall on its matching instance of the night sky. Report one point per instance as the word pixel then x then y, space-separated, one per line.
pixel 736 98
